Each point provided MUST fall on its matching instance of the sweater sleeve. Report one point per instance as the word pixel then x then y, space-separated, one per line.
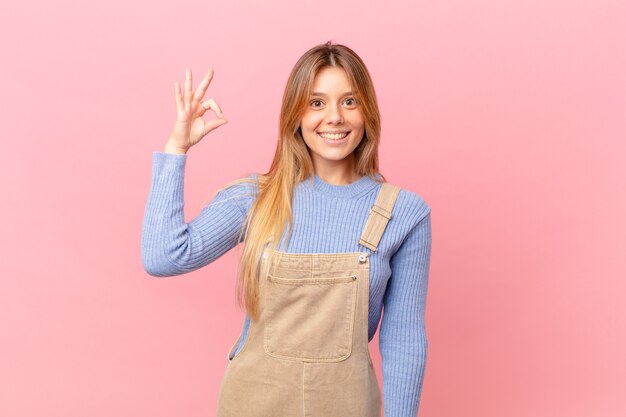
pixel 402 340
pixel 169 246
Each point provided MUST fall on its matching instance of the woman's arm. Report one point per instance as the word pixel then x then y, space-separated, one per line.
pixel 169 246
pixel 402 339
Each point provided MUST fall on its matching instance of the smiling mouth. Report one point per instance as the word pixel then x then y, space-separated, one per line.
pixel 333 136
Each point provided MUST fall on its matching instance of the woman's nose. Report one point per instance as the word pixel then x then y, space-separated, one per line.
pixel 334 114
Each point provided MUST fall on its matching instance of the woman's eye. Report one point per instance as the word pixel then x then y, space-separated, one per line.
pixel 349 101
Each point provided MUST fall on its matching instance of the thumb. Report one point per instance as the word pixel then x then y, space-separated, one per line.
pixel 214 124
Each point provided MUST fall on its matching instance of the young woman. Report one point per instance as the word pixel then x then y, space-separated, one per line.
pixel 313 298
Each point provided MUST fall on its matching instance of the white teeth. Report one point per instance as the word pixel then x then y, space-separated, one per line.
pixel 334 136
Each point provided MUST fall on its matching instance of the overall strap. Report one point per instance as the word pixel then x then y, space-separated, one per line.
pixel 379 216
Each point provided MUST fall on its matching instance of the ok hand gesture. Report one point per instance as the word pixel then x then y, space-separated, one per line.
pixel 190 127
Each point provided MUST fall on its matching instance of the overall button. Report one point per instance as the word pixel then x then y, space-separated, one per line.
pixel 362 258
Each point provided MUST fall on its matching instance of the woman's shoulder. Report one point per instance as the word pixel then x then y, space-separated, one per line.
pixel 411 206
pixel 240 192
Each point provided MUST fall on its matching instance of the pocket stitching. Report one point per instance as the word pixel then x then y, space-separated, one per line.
pixel 351 312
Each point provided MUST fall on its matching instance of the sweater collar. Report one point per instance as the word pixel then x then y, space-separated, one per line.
pixel 358 187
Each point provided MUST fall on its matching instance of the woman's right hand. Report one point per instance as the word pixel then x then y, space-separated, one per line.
pixel 190 127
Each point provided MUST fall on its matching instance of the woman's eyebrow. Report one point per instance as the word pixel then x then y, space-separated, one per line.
pixel 324 95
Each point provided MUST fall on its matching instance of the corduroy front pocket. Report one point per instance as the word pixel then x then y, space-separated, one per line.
pixel 310 319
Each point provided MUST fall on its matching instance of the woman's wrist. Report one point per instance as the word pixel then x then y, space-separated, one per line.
pixel 170 148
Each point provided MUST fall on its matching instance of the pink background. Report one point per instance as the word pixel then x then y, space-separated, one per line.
pixel 507 117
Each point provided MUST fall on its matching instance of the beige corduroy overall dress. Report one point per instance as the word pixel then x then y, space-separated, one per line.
pixel 307 354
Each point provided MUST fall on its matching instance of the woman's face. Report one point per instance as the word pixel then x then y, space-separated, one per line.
pixel 333 124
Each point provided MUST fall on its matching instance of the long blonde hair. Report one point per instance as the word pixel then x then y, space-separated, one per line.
pixel 271 211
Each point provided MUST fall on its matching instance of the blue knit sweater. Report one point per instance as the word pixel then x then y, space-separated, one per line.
pixel 327 218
